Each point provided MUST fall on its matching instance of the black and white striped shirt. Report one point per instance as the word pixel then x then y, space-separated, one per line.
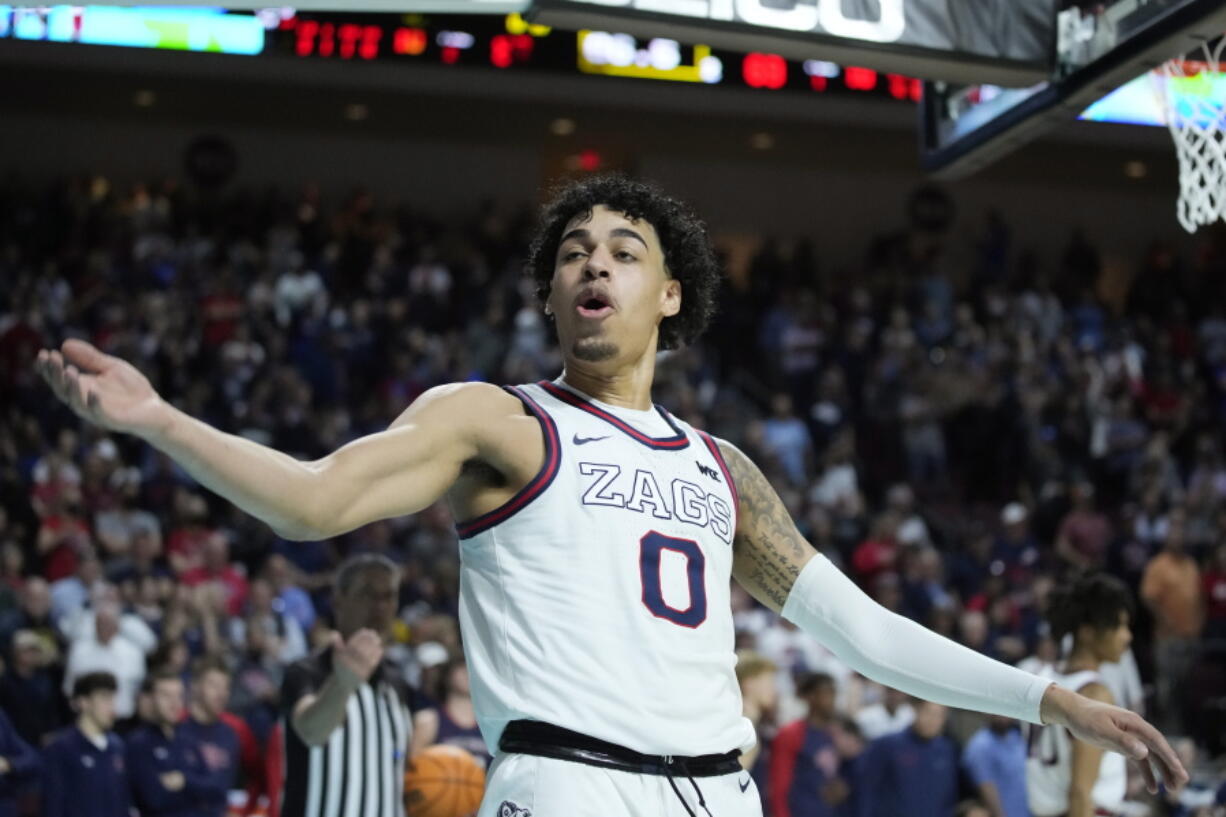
pixel 359 772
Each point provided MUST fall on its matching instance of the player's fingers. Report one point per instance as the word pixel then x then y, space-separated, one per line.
pixel 1160 752
pixel 46 370
pixel 85 355
pixel 60 372
pixel 1147 774
pixel 71 388
pixel 79 389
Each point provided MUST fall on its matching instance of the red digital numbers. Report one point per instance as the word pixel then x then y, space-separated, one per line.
pixel 346 41
pixel 508 49
pixel 765 71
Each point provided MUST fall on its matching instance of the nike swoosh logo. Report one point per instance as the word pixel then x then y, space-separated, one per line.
pixel 745 785
pixel 585 440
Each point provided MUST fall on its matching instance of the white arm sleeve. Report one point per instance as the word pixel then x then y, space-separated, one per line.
pixel 899 653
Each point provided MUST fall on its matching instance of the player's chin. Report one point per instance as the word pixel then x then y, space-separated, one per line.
pixel 593 349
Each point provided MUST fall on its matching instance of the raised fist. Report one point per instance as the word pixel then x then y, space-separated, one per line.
pixel 360 654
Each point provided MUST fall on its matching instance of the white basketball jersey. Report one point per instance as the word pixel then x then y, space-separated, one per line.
pixel 597 599
pixel 1049 766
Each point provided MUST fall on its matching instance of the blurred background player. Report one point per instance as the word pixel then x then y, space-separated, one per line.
pixel 804 761
pixel 84 770
pixel 1065 776
pixel 166 766
pixel 19 763
pixel 913 772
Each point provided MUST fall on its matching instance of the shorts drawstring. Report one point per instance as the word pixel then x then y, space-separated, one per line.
pixel 702 803
pixel 677 792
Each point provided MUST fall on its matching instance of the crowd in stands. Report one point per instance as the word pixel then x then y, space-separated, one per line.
pixel 957 425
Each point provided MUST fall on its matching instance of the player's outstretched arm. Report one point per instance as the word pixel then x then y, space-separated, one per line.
pixel 398 471
pixel 772 560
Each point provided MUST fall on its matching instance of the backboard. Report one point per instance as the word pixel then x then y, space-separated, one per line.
pixel 1100 46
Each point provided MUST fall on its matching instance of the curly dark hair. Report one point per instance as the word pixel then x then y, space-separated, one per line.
pixel 688 254
pixel 1095 599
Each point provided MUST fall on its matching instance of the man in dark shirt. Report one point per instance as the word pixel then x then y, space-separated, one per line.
pixel 18 763
pixel 912 773
pixel 340 704
pixel 169 777
pixel 30 689
pixel 215 740
pixel 84 772
pixel 804 765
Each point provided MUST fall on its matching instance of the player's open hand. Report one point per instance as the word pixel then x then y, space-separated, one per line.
pixel 360 654
pixel 103 389
pixel 1119 730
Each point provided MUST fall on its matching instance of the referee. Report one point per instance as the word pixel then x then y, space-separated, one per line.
pixel 344 711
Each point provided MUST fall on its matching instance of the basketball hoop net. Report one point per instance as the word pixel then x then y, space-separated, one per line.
pixel 1198 124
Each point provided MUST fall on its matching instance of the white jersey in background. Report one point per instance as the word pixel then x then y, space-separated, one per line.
pixel 597 599
pixel 1049 766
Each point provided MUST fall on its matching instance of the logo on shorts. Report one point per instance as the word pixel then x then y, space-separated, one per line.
pixel 745 785
pixel 509 809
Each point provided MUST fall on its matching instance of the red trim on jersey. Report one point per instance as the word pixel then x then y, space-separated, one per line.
pixel 674 443
pixel 549 470
pixel 723 466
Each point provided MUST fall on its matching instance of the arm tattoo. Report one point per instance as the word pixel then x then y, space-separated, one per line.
pixel 768 550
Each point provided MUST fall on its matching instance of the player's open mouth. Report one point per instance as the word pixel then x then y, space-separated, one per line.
pixel 594 306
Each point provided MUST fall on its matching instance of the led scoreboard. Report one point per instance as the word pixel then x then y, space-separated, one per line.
pixel 506 43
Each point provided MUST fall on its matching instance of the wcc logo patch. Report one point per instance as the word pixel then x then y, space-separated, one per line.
pixel 707 471
pixel 509 809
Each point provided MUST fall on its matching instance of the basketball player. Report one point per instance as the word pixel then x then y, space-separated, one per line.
pixel 1064 775
pixel 597 536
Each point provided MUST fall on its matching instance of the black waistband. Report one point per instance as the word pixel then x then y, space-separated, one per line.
pixel 546 740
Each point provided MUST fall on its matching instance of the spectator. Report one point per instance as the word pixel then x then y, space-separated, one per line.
pixel 63 535
pixel 995 760
pixel 18 764
pixel 166 765
pixel 1215 597
pixel 84 769
pixel 214 739
pixel 878 553
pixel 257 678
pixel 804 762
pixel 217 570
pixel 70 594
pixel 294 600
pixel 1015 545
pixel 1171 588
pixel 34 615
pixel 105 650
pixel 284 632
pixel 912 773
pixel 1084 532
pixel 785 437
pixel 452 722
pixel 131 626
pixel 186 543
pixel 30 689
pixel 118 527
pixel 759 695
pixel 891 714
